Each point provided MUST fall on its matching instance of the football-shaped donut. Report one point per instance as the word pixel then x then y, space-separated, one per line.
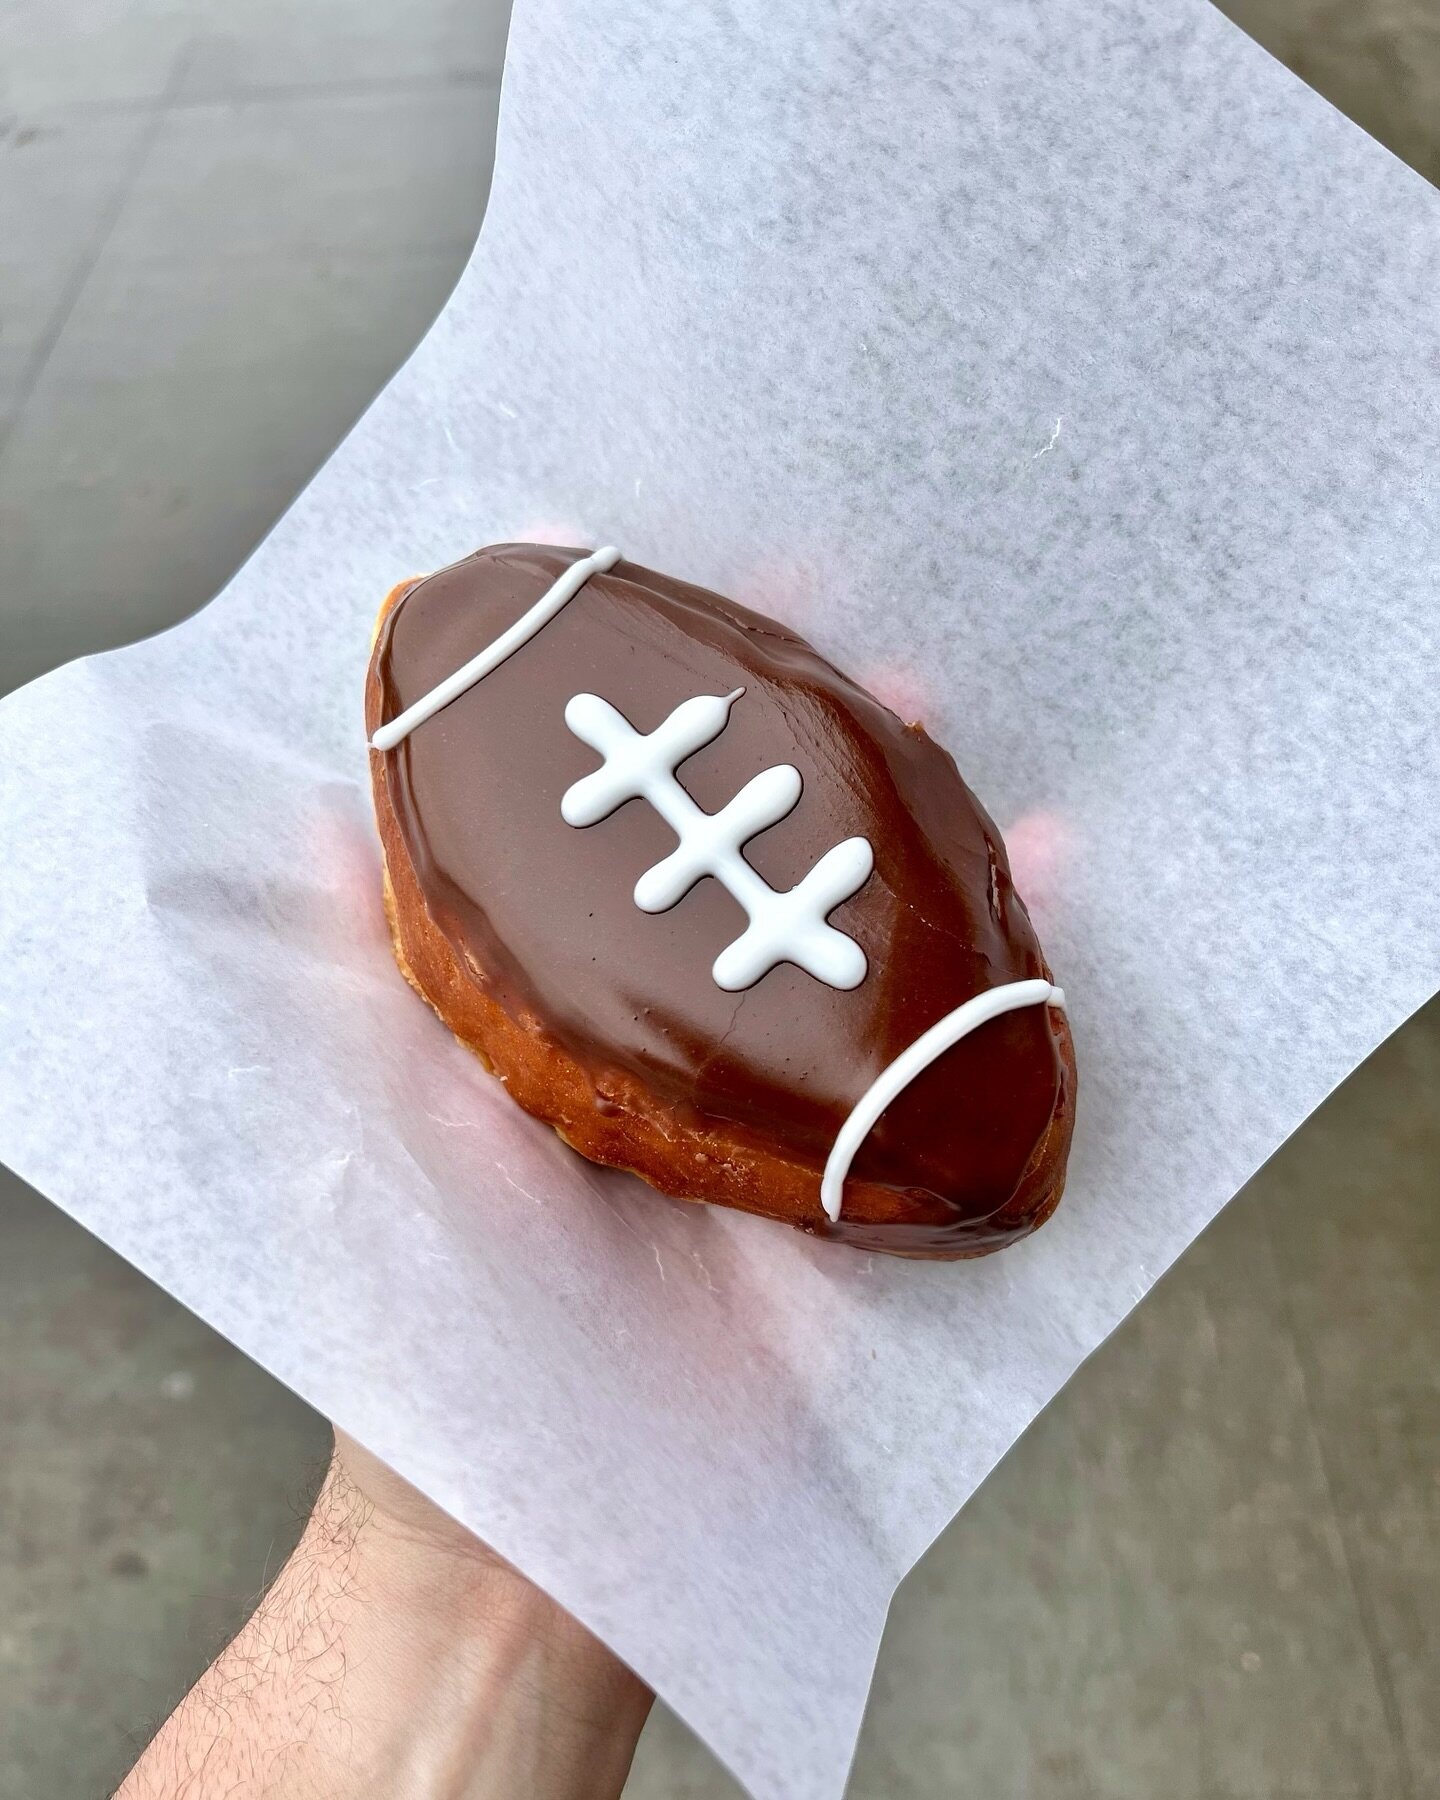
pixel 709 909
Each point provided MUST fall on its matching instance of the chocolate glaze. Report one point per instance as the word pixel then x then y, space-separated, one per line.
pixel 544 911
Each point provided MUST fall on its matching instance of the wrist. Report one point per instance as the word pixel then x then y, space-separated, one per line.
pixel 471 1652
pixel 481 1685
pixel 395 1655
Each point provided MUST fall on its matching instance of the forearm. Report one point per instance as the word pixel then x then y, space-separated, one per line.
pixel 383 1661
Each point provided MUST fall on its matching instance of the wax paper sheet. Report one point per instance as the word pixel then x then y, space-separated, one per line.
pixel 1066 370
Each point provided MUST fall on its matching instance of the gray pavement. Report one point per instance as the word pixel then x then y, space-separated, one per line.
pixel 1212 1569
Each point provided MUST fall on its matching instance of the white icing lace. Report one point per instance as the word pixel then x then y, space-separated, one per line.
pixel 783 927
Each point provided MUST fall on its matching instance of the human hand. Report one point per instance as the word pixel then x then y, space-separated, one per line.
pixel 396 1654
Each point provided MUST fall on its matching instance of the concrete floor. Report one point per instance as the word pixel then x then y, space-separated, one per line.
pixel 1210 1572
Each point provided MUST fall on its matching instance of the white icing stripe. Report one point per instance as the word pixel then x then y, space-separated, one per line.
pixel 909 1063
pixel 783 927
pixel 478 667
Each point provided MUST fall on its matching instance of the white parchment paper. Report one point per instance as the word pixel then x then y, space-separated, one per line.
pixel 1066 370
